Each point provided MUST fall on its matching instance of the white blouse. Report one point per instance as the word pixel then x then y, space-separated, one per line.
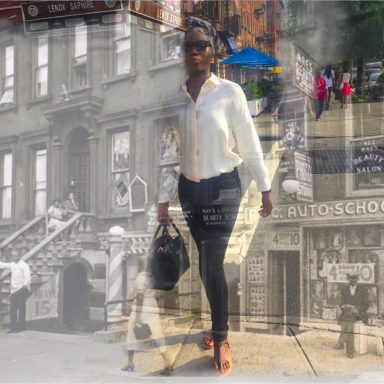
pixel 211 129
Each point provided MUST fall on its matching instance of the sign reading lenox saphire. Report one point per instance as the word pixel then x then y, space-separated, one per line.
pixel 43 10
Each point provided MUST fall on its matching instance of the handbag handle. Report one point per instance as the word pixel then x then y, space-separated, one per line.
pixel 165 229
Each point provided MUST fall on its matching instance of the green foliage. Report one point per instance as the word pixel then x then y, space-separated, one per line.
pixel 361 98
pixel 253 90
pixel 362 32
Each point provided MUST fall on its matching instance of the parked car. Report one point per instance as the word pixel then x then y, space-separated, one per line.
pixel 370 72
pixel 373 79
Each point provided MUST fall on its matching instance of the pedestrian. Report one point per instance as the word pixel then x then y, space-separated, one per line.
pixel 321 94
pixel 217 118
pixel 345 86
pixel 328 75
pixel 144 312
pixel 354 305
pixel 20 289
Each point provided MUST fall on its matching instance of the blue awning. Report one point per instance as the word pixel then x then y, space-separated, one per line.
pixel 251 57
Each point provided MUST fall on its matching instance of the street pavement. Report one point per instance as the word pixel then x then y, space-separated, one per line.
pixel 308 357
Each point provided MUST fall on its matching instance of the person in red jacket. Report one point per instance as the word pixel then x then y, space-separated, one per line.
pixel 321 94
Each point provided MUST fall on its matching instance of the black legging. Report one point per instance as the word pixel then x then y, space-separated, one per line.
pixel 210 208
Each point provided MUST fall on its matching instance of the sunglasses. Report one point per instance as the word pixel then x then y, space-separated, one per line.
pixel 200 45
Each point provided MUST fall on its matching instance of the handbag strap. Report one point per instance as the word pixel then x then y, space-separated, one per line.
pixel 165 230
pixel 176 229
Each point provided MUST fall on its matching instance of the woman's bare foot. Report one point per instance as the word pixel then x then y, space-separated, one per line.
pixel 207 340
pixel 222 360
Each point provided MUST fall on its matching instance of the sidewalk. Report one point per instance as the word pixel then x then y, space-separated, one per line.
pixel 39 357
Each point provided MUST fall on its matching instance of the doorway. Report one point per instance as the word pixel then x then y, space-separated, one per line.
pixel 76 297
pixel 79 167
pixel 284 288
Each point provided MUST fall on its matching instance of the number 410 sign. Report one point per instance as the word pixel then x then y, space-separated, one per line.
pixel 337 273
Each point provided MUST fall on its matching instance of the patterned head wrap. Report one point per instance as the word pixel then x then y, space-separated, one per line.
pixel 195 24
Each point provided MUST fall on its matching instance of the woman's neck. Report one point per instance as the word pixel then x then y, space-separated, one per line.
pixel 198 80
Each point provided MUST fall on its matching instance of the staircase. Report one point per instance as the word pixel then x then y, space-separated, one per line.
pixel 46 253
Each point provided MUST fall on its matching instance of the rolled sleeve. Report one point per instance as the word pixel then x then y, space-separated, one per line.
pixel 248 141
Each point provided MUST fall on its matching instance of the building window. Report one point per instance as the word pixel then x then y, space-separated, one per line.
pixel 41 70
pixel 171 47
pixel 6 185
pixel 40 182
pixel 120 168
pixel 8 74
pixel 169 159
pixel 80 58
pixel 122 45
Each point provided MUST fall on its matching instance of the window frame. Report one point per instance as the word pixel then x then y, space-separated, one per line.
pixel 3 65
pixel 34 188
pixel 4 153
pixel 122 171
pixel 37 67
pixel 110 75
pixel 79 64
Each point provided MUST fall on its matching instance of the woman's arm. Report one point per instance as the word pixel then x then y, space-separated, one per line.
pixel 163 216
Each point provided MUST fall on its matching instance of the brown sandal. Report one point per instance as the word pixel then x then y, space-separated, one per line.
pixel 223 368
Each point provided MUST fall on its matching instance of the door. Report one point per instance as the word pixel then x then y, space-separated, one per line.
pixel 284 287
pixel 79 167
pixel 75 297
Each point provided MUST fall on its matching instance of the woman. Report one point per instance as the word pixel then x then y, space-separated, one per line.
pixel 345 87
pixel 209 187
pixel 56 216
pixel 71 204
pixel 328 75
pixel 145 310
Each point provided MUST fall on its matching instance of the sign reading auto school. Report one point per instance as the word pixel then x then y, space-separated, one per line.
pixel 333 210
pixel 43 10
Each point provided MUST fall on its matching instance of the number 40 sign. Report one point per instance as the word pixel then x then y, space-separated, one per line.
pixel 337 273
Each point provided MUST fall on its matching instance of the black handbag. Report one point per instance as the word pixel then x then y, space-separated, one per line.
pixel 141 330
pixel 167 259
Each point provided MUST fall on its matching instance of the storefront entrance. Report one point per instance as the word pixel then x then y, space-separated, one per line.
pixel 284 287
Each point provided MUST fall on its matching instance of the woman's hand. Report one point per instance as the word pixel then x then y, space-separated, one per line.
pixel 266 204
pixel 163 215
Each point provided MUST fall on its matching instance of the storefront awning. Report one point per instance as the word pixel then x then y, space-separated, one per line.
pixel 251 57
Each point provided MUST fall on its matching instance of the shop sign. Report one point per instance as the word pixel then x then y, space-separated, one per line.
pixel 293 134
pixel 285 240
pixel 303 172
pixel 336 210
pixel 43 10
pixel 368 155
pixel 337 273
pixel 160 13
pixel 42 304
pixel 303 77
